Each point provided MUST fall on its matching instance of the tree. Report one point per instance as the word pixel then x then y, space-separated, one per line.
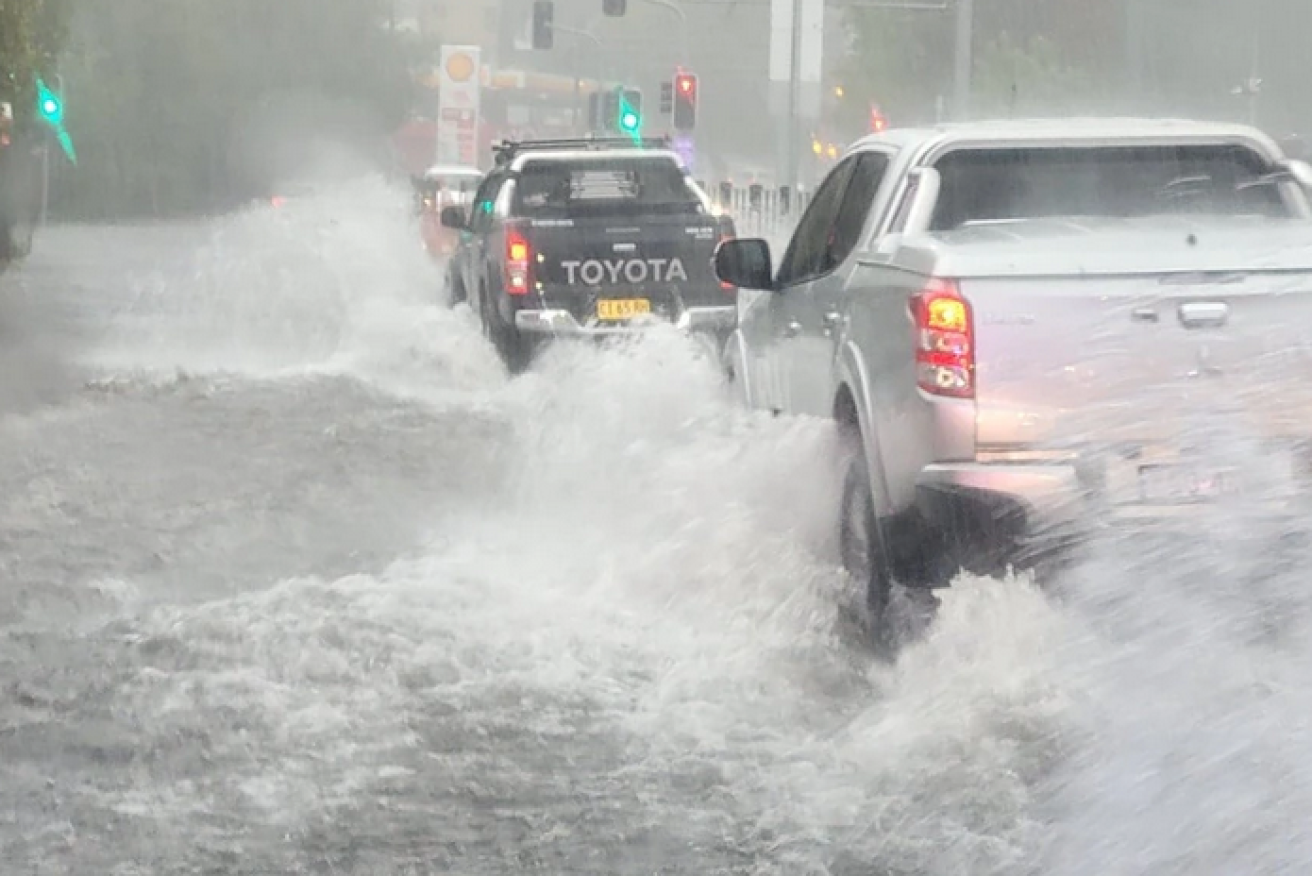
pixel 1034 78
pixel 182 105
pixel 1029 56
pixel 31 34
pixel 900 60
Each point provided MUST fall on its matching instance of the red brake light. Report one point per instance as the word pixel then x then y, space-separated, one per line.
pixel 945 340
pixel 518 255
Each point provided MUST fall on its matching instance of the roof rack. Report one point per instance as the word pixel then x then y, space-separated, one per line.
pixel 505 151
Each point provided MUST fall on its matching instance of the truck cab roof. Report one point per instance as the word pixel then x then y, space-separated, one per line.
pixel 513 156
pixel 575 156
pixel 1069 132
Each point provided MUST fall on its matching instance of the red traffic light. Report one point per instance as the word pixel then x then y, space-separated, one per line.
pixel 685 101
pixel 877 120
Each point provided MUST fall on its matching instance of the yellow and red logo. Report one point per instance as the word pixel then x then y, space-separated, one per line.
pixel 459 67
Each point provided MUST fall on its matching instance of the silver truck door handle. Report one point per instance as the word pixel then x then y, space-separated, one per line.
pixel 1204 314
pixel 792 329
pixel 833 320
pixel 1143 314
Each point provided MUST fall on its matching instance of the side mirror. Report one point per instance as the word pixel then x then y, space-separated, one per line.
pixel 454 217
pixel 745 264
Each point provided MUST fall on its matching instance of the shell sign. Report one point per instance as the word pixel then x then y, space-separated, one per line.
pixel 460 66
pixel 458 104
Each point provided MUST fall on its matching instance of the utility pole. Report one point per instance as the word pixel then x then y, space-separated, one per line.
pixel 794 98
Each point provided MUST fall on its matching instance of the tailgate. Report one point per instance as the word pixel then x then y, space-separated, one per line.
pixel 1146 369
pixel 662 263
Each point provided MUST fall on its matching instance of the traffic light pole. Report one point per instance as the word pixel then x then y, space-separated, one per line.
pixel 578 76
pixel 45 181
pixel 45 158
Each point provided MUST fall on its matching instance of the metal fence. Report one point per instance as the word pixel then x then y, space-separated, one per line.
pixel 759 210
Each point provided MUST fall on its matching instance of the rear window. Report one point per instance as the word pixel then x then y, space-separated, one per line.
pixel 991 185
pixel 453 183
pixel 605 187
pixel 460 188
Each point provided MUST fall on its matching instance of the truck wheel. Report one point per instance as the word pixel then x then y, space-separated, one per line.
pixel 861 545
pixel 515 350
pixel 455 292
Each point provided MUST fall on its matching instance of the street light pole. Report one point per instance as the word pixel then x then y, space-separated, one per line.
pixel 794 99
pixel 578 76
pixel 683 21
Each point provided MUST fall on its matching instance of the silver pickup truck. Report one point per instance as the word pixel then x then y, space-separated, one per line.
pixel 1027 329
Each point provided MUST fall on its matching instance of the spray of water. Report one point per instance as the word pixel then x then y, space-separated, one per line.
pixel 624 648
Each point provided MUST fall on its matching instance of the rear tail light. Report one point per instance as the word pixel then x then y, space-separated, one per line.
pixel 945 340
pixel 517 267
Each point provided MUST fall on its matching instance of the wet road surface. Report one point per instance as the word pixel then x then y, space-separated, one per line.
pixel 294 579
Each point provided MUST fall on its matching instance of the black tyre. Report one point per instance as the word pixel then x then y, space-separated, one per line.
pixel 515 351
pixel 861 545
pixel 455 292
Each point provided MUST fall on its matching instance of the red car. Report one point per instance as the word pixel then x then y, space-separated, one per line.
pixel 444 186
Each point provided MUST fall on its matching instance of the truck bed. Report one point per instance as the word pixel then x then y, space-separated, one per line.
pixel 1148 344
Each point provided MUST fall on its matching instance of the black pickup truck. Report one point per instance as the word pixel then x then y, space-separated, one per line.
pixel 587 238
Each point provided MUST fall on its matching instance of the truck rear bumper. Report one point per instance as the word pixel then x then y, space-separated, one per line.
pixel 1037 505
pixel 562 322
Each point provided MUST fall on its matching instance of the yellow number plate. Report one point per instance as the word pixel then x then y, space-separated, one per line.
pixel 622 308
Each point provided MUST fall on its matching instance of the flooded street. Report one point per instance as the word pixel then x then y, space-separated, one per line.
pixel 295 579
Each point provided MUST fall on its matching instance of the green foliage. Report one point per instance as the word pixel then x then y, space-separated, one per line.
pixel 31 32
pixel 1034 78
pixel 901 61
pixel 1030 57
pixel 190 105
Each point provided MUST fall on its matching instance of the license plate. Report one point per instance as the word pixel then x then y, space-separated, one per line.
pixel 622 308
pixel 1185 483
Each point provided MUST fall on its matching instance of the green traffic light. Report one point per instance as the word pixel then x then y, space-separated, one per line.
pixel 51 108
pixel 629 119
pixel 49 104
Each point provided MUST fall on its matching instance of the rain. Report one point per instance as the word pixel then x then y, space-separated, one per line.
pixel 302 572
